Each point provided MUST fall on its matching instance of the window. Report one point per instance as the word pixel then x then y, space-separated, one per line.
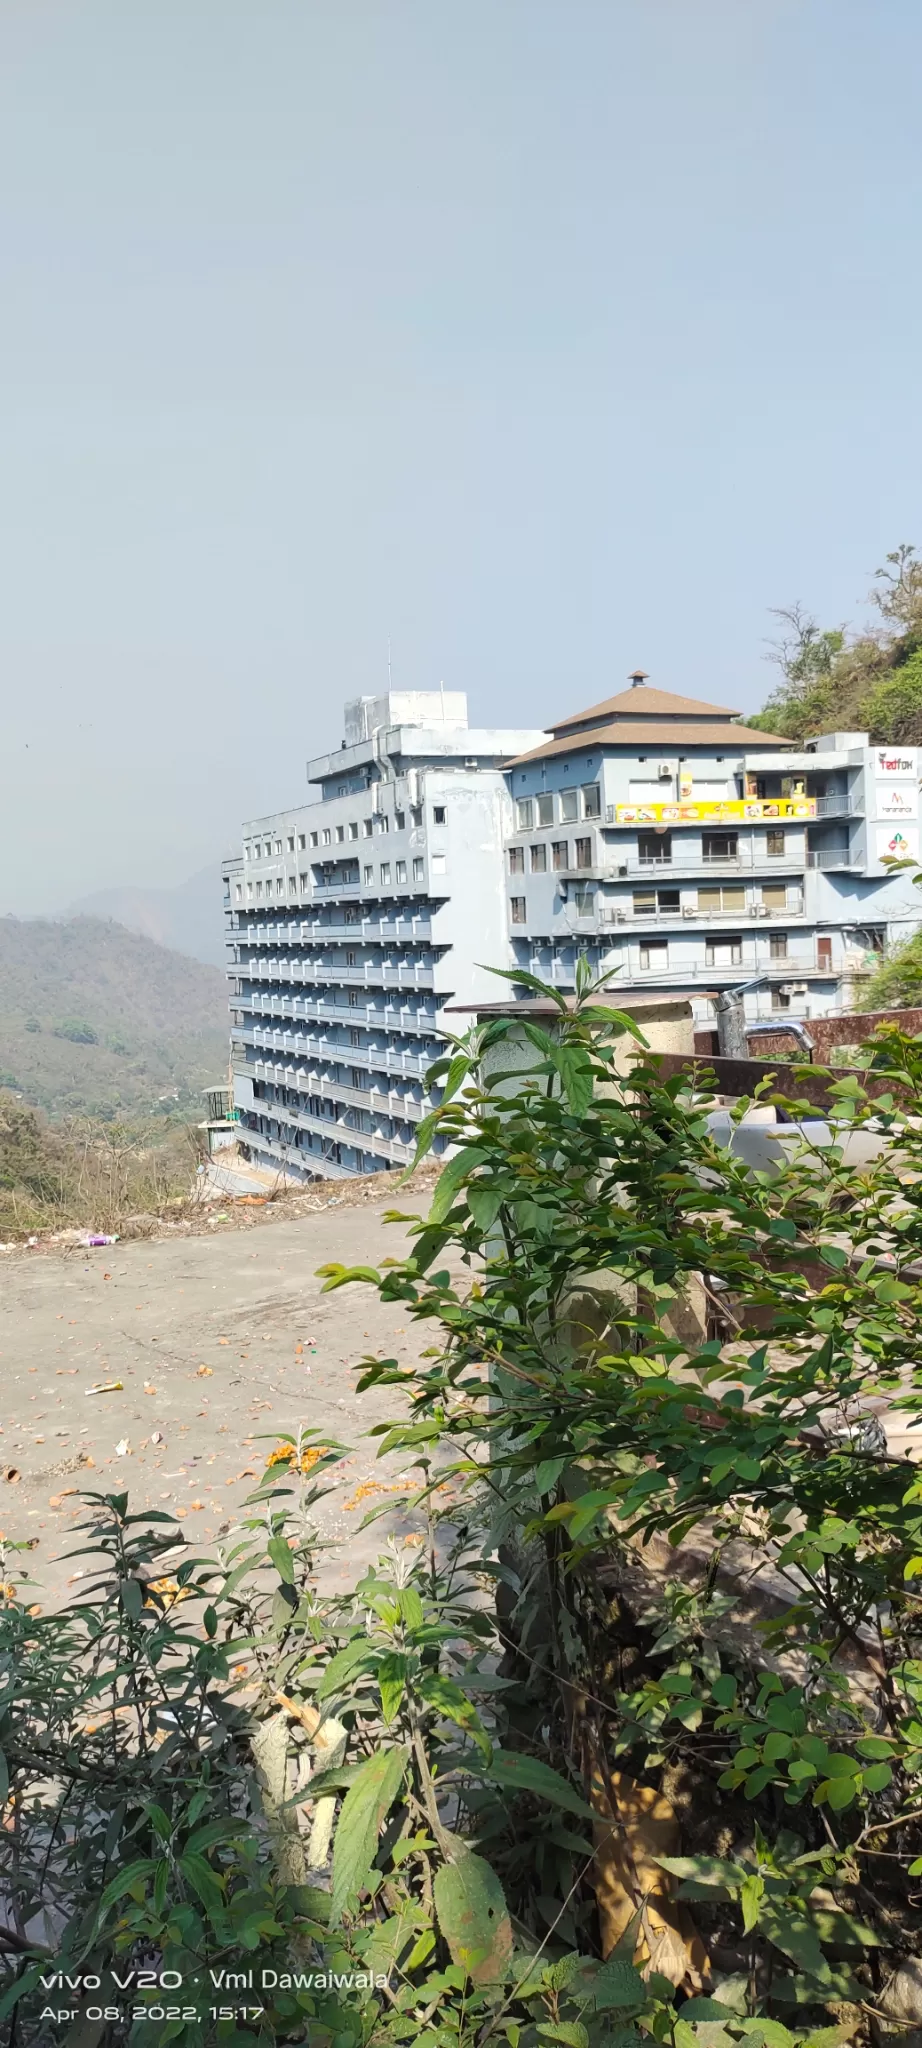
pixel 583 899
pixel 654 955
pixel 516 860
pixel 401 871
pixel 560 853
pixel 355 1076
pixel 416 814
pixel 383 823
pixel 302 882
pixel 292 886
pixel 238 890
pixel 400 819
pixel 731 897
pixel 291 844
pixel 524 814
pixel 584 853
pixel 775 843
pixel 340 833
pixel 350 956
pixel 648 901
pixel 302 841
pixel 353 998
pixel 539 859
pixel 368 875
pixel 354 829
pixel 259 888
pixel 314 839
pixel 654 846
pixel 723 953
pixel 249 888
pixel 780 999
pixel 778 946
pixel 517 909
pixel 327 835
pixel 419 869
pixel 720 845
pixel 438 864
pixel 355 1037
pixel 592 801
pixel 569 803
pixel 368 826
pixel 385 871
pixel 279 885
pixel 774 896
pixel 824 953
pixel 438 814
pixel 545 810
pixel 278 846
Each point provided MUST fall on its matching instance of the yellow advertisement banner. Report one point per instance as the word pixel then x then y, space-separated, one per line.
pixel 745 810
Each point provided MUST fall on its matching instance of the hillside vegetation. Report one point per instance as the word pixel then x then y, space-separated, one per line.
pixel 101 1022
pixel 834 680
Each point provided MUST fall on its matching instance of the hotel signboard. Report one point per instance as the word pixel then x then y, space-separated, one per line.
pixel 736 811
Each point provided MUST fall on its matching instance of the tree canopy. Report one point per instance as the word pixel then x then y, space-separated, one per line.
pixel 831 679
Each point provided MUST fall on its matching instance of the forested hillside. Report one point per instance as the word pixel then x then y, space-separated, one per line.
pixel 835 680
pixel 97 1020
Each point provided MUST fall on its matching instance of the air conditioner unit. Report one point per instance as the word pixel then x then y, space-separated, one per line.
pixel 760 909
pixel 609 814
pixel 622 870
pixel 793 988
pixel 664 771
pixel 689 910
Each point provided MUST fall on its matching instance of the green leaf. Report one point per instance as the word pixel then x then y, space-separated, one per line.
pixel 125 1881
pixel 132 1597
pixel 367 1803
pixel 202 1879
pixel 794 1935
pixel 616 1984
pixel 392 1675
pixel 529 1774
pixel 280 1554
pixel 877 1747
pixel 448 1699
pixel 877 1778
pixel 451 1177
pixel 472 1915
pixel 355 1656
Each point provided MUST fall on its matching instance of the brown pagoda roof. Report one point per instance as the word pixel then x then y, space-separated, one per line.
pixel 653 732
pixel 642 702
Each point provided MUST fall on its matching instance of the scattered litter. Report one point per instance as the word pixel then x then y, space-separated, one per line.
pixel 12 1474
pixel 157 1436
pixel 109 1387
pixel 98 1237
pixel 123 1448
pixel 204 1372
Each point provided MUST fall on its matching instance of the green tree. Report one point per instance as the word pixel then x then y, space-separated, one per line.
pixel 897 985
pixel 892 711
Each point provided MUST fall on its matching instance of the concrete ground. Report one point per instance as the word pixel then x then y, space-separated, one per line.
pixel 220 1341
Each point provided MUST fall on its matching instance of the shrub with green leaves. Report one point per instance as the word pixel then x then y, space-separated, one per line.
pixel 650 1392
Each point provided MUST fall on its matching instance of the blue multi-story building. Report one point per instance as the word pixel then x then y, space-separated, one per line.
pixel 663 838
pixel 353 921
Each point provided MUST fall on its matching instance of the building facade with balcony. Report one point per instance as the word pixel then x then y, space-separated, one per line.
pixel 660 837
pixel 353 921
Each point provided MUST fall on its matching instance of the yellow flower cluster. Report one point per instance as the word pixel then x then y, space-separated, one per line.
pixel 285 1454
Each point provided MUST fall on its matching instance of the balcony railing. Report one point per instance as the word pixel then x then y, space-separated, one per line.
pixel 839 805
pixel 295 1045
pixel 747 859
pixel 833 857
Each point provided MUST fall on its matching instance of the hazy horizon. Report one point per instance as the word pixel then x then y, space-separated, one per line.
pixel 542 342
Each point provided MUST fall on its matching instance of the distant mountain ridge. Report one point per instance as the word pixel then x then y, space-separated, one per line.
pixel 189 919
pixel 100 1020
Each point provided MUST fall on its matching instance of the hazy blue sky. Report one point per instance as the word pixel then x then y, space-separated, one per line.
pixel 546 337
